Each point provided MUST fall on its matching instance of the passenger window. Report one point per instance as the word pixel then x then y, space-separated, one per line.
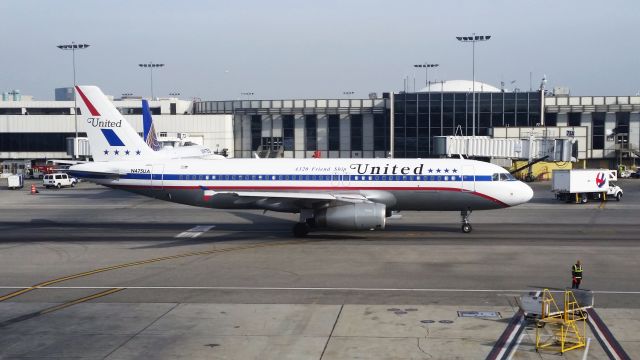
pixel 58 176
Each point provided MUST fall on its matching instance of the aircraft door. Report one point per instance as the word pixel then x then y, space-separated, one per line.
pixel 157 176
pixel 340 180
pixel 468 178
pixel 346 180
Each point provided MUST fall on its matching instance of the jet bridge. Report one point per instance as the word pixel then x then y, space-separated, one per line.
pixel 507 148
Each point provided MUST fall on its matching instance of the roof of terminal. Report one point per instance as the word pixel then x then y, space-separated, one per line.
pixel 459 86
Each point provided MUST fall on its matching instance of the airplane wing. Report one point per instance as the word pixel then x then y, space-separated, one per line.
pixel 78 171
pixel 67 162
pixel 284 201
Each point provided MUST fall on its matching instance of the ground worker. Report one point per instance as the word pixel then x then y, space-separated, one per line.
pixel 576 273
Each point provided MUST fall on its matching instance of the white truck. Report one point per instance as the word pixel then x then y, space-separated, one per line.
pixel 580 185
pixel 12 182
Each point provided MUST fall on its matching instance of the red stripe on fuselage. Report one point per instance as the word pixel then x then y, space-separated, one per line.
pixel 90 106
pixel 308 188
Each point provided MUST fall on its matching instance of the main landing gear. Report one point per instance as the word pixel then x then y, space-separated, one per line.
pixel 303 226
pixel 466 227
pixel 301 229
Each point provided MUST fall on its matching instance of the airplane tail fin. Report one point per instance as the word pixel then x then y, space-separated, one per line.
pixel 149 130
pixel 111 137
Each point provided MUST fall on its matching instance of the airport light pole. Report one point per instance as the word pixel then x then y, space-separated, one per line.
pixel 473 39
pixel 73 47
pixel 151 65
pixel 426 67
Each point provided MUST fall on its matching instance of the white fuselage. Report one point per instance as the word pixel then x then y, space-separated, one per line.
pixel 400 184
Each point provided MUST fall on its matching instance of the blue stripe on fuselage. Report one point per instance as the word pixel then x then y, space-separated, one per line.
pixel 297 177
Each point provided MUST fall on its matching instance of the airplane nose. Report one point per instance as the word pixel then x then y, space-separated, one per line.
pixel 525 193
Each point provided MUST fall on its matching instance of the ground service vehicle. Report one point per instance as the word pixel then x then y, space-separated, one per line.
pixel 12 182
pixel 580 185
pixel 58 180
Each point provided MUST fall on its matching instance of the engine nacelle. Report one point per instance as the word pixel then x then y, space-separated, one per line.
pixel 357 216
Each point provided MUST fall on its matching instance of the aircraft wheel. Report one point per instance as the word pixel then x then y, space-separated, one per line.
pixel 584 198
pixel 466 228
pixel 301 229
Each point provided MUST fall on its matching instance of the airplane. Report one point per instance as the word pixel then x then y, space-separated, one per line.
pixel 342 194
pixel 181 152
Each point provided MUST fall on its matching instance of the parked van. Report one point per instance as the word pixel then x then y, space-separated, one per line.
pixel 58 180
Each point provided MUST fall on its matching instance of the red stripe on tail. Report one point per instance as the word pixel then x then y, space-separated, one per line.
pixel 90 106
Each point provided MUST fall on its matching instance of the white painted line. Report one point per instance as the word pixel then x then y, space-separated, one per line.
pixel 202 228
pixel 196 231
pixel 586 349
pixel 515 348
pixel 600 335
pixel 293 289
pixel 510 339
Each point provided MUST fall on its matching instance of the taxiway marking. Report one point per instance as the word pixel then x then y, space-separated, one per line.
pixel 59 307
pixel 260 288
pixel 143 262
pixel 194 232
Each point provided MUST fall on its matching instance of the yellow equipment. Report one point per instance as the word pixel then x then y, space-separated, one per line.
pixel 567 327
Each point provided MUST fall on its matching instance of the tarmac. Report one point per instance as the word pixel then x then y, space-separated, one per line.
pixel 95 273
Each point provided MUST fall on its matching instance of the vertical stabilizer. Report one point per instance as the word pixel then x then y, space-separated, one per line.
pixel 111 137
pixel 150 136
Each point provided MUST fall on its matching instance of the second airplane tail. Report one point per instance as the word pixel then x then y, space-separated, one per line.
pixel 149 130
pixel 111 137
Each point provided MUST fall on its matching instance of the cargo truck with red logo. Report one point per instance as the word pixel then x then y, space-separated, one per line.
pixel 582 185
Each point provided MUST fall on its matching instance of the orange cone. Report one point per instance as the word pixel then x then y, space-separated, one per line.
pixel 33 189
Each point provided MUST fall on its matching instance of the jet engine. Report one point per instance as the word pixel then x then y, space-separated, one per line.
pixel 357 216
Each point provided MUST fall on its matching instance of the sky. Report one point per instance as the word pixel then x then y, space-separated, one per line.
pixel 217 50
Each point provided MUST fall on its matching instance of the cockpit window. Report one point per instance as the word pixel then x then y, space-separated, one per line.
pixel 502 177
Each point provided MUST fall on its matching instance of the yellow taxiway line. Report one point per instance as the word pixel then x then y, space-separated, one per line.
pixel 142 262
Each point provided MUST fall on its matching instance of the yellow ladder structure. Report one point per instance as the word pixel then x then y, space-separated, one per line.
pixel 568 326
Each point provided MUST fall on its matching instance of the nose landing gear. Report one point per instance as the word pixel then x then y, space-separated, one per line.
pixel 466 226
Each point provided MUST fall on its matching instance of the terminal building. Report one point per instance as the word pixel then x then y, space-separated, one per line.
pixel 398 124
pixel 347 128
pixel 34 131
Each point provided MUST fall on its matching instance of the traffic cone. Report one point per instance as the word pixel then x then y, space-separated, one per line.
pixel 33 189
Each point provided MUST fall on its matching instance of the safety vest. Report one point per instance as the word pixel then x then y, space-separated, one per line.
pixel 577 271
